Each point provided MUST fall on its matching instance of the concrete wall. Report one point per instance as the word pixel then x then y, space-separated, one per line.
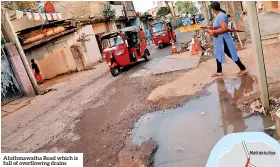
pixel 56 57
pixel 19 70
pixel 273 6
pixel 99 28
pixel 118 9
pixel 111 26
pixel 25 23
pixel 91 47
pixel 79 8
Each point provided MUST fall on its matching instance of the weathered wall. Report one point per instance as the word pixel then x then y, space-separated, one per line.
pixel 119 10
pixel 56 58
pixel 25 23
pixel 273 6
pixel 99 28
pixel 91 47
pixel 111 26
pixel 19 70
pixel 51 60
pixel 79 8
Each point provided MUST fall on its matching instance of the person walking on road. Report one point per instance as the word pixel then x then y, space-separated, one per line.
pixel 148 35
pixel 142 35
pixel 37 73
pixel 223 42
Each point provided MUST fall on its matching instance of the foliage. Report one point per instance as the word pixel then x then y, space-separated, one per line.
pixel 185 7
pixel 176 23
pixel 108 11
pixel 145 14
pixel 163 11
pixel 19 5
pixel 169 16
pixel 171 11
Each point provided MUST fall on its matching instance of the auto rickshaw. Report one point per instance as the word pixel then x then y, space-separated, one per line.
pixel 123 48
pixel 162 33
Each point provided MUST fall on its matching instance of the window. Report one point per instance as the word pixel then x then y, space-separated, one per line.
pixel 112 42
pixel 158 27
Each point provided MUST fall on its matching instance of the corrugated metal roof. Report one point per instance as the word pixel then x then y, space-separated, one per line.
pixel 47 39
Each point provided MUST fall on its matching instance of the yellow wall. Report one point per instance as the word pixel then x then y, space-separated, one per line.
pixel 51 64
pixel 274 5
pixel 271 5
pixel 266 5
pixel 99 28
pixel 56 58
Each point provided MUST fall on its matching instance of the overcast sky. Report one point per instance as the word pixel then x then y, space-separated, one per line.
pixel 143 6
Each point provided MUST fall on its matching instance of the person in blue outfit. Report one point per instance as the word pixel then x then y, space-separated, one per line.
pixel 223 42
pixel 148 35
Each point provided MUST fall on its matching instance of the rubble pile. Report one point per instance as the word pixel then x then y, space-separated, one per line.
pixel 254 106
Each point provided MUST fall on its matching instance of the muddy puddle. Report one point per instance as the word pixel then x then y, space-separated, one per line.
pixel 187 134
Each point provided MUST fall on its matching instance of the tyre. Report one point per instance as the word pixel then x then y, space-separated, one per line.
pixel 146 54
pixel 115 71
pixel 175 38
pixel 160 46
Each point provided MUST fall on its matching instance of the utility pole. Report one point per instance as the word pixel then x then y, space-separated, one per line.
pixel 258 51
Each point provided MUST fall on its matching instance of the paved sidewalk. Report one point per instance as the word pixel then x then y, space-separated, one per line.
pixel 269 23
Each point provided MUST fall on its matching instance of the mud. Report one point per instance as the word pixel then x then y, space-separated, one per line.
pixel 94 113
pixel 186 136
pixel 104 126
pixel 138 156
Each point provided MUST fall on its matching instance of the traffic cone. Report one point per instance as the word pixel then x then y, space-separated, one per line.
pixel 174 50
pixel 198 46
pixel 194 49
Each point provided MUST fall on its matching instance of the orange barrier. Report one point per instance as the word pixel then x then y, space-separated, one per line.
pixel 174 49
pixel 198 47
pixel 194 49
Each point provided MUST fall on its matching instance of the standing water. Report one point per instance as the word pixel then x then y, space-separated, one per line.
pixel 186 135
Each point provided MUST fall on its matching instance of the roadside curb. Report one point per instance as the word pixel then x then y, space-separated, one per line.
pixel 266 37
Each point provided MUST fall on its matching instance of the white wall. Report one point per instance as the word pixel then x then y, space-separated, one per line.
pixel 25 23
pixel 118 9
pixel 91 47
pixel 55 58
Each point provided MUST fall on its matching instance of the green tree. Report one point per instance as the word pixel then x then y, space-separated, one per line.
pixel 186 7
pixel 108 11
pixel 163 11
pixel 19 5
pixel 171 13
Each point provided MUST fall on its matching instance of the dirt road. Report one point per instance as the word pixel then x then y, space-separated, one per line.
pixel 94 113
pixel 90 112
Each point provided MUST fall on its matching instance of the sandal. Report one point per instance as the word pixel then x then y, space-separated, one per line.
pixel 241 73
pixel 217 75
